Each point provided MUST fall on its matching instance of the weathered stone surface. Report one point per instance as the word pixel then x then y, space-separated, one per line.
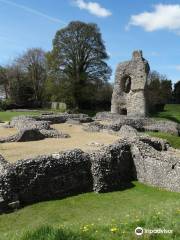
pixel 160 169
pixel 26 122
pixel 53 133
pixel 141 124
pixel 112 167
pixel 148 160
pixel 157 143
pixel 44 121
pixel 128 132
pixel 62 118
pixel 93 127
pixel 3 165
pixel 33 129
pixel 26 135
pixel 107 116
pixel 73 121
pixel 162 126
pixel 47 177
pixel 130 85
pixel 52 118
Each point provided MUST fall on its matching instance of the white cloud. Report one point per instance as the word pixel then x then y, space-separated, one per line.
pixel 33 11
pixel 164 16
pixel 93 7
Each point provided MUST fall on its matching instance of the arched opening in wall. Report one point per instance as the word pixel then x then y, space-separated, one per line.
pixel 123 111
pixel 126 84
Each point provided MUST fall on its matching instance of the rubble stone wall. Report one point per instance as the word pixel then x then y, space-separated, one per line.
pixel 72 172
pixel 130 86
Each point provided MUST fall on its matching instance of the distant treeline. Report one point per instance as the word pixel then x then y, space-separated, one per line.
pixel 160 91
pixel 74 72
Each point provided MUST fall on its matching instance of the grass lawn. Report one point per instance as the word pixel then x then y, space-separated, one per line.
pixel 8 115
pixel 173 140
pixel 171 112
pixel 109 216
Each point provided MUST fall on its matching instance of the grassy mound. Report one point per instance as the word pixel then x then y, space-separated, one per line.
pixel 97 216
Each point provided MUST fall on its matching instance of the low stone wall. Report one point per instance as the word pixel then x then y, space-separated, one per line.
pixel 46 177
pixel 113 167
pixel 141 124
pixel 160 169
pixel 33 128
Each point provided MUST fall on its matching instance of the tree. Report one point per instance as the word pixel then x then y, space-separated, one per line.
pixel 20 87
pixel 176 92
pixel 33 63
pixel 79 56
pixel 159 91
pixel 4 80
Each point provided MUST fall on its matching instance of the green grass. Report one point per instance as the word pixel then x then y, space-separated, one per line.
pixel 8 115
pixel 172 139
pixel 95 216
pixel 171 112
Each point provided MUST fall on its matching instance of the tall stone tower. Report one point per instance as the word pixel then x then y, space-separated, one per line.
pixel 130 86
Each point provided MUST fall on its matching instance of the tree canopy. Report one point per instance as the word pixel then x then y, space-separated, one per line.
pixel 159 91
pixel 79 56
pixel 176 92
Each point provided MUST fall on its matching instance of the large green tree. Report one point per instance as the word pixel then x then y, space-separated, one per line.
pixel 33 64
pixel 4 80
pixel 79 58
pixel 20 89
pixel 176 92
pixel 159 91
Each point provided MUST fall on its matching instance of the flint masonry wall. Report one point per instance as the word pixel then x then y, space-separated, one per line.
pixel 130 85
pixel 73 172
pixel 46 177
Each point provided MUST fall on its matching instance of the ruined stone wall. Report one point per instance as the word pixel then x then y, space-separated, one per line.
pixel 130 85
pixel 46 177
pixel 33 128
pixel 68 173
pixel 141 124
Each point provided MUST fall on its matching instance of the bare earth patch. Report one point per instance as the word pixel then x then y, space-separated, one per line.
pixel 5 132
pixel 79 139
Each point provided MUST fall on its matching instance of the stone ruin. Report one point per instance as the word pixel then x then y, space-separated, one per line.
pixel 135 156
pixel 34 128
pixel 130 86
pixel 113 167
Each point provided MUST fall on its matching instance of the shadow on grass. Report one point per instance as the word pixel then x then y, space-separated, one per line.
pixel 169 117
pixel 166 116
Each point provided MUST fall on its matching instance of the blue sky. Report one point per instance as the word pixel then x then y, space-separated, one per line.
pixel 126 25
